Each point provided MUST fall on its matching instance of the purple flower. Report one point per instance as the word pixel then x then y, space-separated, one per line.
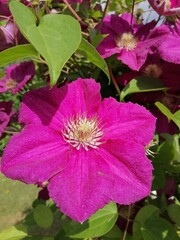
pixel 5 114
pixel 169 49
pixel 17 75
pixel 90 151
pixel 155 67
pixel 10 36
pixel 4 8
pixel 166 7
pixel 130 43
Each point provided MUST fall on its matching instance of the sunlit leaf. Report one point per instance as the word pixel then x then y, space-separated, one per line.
pixel 56 37
pixel 17 53
pixel 93 56
pixel 97 225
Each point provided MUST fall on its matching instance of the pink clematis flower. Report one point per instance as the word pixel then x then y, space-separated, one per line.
pixel 131 43
pixel 17 75
pixel 166 7
pixel 5 114
pixel 90 151
pixel 169 49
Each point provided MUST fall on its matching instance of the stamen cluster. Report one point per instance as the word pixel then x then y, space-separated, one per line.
pixel 82 131
pixel 127 41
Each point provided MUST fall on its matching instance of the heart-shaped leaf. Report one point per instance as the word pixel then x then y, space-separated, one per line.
pixel 56 37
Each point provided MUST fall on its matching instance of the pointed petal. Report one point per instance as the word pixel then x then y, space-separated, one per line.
pixel 78 190
pixel 128 169
pixel 95 177
pixel 35 155
pixel 126 121
pixel 52 107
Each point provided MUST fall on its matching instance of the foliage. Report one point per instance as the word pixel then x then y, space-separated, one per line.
pixel 67 40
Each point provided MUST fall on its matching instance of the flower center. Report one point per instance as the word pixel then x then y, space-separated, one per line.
pixel 10 84
pixel 153 70
pixel 166 2
pixel 82 131
pixel 127 41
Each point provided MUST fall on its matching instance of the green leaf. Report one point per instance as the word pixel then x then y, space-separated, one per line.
pixel 93 56
pixel 14 233
pixel 149 226
pixel 168 154
pixel 174 213
pixel 157 228
pixel 164 110
pixel 142 84
pixel 143 215
pixel 176 118
pixel 56 37
pixel 43 216
pixel 97 225
pixel 115 234
pixel 17 53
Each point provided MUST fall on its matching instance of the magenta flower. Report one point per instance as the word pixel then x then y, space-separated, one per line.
pixel 5 114
pixel 10 36
pixel 157 68
pixel 90 151
pixel 169 49
pixel 166 7
pixel 130 43
pixel 4 9
pixel 17 75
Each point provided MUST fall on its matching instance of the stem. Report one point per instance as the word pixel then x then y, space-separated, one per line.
pixel 46 8
pixel 104 14
pixel 15 35
pixel 127 224
pixel 132 12
pixel 73 12
pixel 9 132
pixel 36 14
pixel 114 81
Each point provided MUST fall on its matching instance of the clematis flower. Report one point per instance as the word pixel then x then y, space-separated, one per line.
pixel 155 67
pixel 169 50
pixel 90 151
pixel 131 43
pixel 4 9
pixel 166 7
pixel 5 114
pixel 17 75
pixel 168 73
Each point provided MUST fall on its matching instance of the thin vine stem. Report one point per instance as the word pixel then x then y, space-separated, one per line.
pixel 114 81
pixel 72 11
pixel 132 11
pixel 104 14
pixel 127 224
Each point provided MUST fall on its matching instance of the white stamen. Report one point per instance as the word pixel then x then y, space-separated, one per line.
pixel 80 131
pixel 127 41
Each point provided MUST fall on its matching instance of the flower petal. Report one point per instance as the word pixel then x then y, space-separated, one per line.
pixel 126 121
pixel 51 107
pixel 35 155
pixel 130 171
pixel 118 171
pixel 78 190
